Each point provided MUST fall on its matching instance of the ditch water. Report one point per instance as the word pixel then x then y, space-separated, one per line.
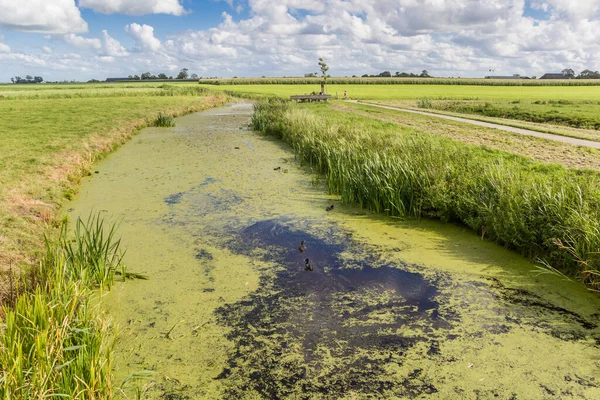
pixel 214 214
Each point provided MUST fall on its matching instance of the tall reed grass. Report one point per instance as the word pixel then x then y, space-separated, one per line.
pixel 402 81
pixel 55 341
pixel 544 212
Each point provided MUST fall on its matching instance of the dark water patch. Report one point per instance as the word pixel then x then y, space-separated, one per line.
pixel 173 198
pixel 332 331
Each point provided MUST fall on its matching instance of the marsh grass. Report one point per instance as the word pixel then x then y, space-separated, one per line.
pixel 515 201
pixel 56 342
pixel 164 121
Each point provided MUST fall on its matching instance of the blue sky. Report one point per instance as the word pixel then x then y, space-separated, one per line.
pixel 85 39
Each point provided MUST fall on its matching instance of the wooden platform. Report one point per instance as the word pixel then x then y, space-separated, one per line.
pixel 310 97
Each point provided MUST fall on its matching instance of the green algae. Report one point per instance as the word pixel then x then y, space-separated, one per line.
pixel 393 308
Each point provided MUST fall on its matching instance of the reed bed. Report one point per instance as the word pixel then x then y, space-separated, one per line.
pixel 55 341
pixel 163 121
pixel 545 212
pixel 402 81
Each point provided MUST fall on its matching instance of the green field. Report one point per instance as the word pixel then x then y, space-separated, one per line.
pixel 442 92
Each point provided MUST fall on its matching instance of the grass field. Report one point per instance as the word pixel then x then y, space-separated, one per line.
pixel 442 92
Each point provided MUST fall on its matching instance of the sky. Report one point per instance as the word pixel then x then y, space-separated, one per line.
pixel 96 39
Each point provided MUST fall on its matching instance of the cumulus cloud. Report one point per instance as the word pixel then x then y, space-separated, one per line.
pixel 446 37
pixel 43 16
pixel 4 48
pixel 134 7
pixel 112 47
pixel 144 36
pixel 81 42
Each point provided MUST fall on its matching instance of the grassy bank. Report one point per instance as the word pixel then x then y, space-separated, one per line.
pixel 55 341
pixel 542 211
pixel 47 144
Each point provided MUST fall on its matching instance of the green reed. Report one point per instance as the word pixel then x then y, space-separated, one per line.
pixel 55 341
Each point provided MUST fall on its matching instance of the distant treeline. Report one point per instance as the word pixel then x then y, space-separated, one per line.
pixel 402 81
pixel 27 79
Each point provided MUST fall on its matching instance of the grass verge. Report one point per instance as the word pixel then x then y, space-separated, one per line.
pixel 544 212
pixel 55 341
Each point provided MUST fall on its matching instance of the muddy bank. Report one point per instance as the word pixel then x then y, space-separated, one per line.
pixel 215 214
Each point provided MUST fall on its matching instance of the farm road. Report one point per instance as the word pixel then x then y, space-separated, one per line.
pixel 549 136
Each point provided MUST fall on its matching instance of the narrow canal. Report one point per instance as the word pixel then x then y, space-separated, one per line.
pixel 234 306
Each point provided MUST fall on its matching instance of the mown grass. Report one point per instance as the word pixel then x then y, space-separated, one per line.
pixel 544 212
pixel 47 145
pixel 55 341
pixel 576 114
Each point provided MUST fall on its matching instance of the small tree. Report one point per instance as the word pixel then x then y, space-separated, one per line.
pixel 146 75
pixel 425 74
pixel 162 76
pixel 38 79
pixel 324 69
pixel 568 72
pixel 194 76
pixel 183 74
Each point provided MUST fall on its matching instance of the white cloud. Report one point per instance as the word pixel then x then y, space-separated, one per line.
pixel 446 37
pixel 112 47
pixel 134 7
pixel 43 16
pixel 144 36
pixel 4 48
pixel 47 49
pixel 81 42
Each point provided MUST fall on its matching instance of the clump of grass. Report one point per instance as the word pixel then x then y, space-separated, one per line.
pixel 522 204
pixel 55 341
pixel 164 121
pixel 424 103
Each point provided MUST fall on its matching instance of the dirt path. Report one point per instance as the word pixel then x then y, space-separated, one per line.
pixel 549 136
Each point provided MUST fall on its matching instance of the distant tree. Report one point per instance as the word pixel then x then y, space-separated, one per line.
pixel 136 78
pixel 146 75
pixel 38 79
pixel 162 76
pixel 385 74
pixel 324 69
pixel 194 76
pixel 365 75
pixel 183 74
pixel 589 74
pixel 12 80
pixel 425 74
pixel 568 72
pixel 93 81
pixel 310 75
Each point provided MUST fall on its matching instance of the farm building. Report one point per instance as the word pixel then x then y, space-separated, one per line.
pixel 555 76
pixel 507 77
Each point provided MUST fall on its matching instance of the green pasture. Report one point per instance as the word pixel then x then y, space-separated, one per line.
pixel 441 92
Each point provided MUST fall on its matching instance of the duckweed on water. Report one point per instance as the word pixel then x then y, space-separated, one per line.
pixel 541 211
